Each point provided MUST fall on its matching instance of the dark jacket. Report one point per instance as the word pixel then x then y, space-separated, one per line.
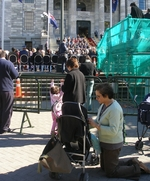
pixel 88 68
pixel 136 12
pixel 62 48
pixel 23 52
pixel 147 16
pixel 74 87
pixel 7 74
pixel 34 54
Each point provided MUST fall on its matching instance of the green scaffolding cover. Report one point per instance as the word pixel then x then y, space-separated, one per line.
pixel 125 48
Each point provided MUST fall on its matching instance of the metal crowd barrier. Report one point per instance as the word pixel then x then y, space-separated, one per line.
pixel 125 90
pixel 36 98
pixel 35 93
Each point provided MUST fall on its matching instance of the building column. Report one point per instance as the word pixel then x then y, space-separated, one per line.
pixel 99 16
pixel 72 27
pixel 123 9
pixel 96 17
pixel 147 4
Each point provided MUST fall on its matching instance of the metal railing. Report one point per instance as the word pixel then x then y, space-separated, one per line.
pixel 36 86
pixel 125 90
pixel 35 93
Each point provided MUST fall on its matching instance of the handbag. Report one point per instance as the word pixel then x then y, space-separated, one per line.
pixel 56 159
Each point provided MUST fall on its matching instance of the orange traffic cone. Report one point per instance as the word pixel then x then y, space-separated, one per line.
pixel 18 88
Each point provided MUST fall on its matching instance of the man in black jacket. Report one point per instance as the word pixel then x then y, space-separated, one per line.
pixel 135 11
pixel 63 54
pixel 88 69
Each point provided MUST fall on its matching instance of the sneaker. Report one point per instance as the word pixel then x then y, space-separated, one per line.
pixel 141 165
pixel 6 131
pixel 54 175
pixel 94 160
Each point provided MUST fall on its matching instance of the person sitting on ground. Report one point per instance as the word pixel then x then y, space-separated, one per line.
pixel 109 125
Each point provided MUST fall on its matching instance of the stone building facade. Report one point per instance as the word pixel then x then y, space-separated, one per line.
pixel 24 23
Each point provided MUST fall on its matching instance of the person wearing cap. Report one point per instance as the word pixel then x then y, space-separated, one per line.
pixel 135 11
pixel 7 74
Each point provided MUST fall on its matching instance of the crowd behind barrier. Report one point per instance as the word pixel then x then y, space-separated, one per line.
pixel 34 60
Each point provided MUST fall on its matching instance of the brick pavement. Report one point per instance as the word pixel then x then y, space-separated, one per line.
pixel 19 153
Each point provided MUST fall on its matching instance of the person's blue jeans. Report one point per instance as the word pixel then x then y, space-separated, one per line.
pixel 89 90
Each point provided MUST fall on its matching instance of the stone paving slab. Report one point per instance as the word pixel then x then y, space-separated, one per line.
pixel 19 153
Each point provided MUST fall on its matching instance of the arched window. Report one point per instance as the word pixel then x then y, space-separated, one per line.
pixel 57 5
pixel 81 6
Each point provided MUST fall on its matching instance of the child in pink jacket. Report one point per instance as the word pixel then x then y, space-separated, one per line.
pixel 56 95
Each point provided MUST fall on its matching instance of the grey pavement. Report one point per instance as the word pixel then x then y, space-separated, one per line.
pixel 19 153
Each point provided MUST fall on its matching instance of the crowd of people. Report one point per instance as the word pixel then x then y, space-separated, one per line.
pixel 73 46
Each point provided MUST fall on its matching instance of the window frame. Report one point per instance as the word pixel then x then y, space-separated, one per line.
pixel 29 21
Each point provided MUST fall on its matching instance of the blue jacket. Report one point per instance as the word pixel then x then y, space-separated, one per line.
pixel 7 74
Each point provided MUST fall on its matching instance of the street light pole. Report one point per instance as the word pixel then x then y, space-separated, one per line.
pixel 62 21
pixel 3 17
pixel 48 21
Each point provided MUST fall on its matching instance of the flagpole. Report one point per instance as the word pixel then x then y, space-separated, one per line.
pixel 62 21
pixel 48 30
pixel 3 17
pixel 110 13
pixel 48 22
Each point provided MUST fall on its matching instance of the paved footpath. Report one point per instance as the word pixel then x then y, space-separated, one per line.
pixel 19 153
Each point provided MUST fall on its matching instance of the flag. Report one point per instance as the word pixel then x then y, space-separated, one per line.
pixel 53 21
pixel 20 1
pixel 114 5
